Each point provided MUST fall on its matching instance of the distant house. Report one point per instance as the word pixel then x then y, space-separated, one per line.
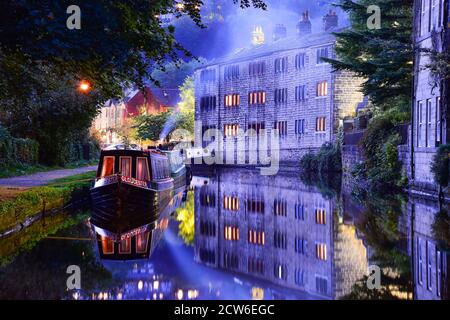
pixel 114 114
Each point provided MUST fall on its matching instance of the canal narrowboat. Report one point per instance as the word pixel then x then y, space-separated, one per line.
pixel 132 184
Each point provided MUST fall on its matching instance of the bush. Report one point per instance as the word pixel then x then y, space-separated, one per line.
pixel 327 160
pixel 382 167
pixel 14 150
pixel 440 165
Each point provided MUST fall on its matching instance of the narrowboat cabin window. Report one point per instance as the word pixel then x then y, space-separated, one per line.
pixel 125 246
pixel 125 166
pixel 107 245
pixel 160 169
pixel 141 242
pixel 108 166
pixel 142 172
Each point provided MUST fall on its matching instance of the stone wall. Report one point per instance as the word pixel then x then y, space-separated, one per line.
pixel 341 100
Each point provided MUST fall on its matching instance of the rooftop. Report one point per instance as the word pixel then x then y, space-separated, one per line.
pixel 285 44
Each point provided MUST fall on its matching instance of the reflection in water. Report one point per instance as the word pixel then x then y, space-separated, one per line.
pixel 253 237
pixel 276 229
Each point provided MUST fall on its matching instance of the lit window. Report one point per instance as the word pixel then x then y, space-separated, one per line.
pixel 142 172
pixel 125 166
pixel 320 124
pixel 108 166
pixel 231 130
pixel 141 242
pixel 125 246
pixel 107 245
pixel 322 89
pixel 321 216
pixel 232 100
pixel 321 251
pixel 231 203
pixel 231 233
pixel 256 237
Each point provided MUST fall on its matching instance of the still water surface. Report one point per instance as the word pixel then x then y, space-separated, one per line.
pixel 241 235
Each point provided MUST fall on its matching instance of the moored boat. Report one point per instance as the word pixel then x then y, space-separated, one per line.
pixel 132 188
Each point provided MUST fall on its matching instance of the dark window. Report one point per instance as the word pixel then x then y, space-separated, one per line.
pixel 300 126
pixel 280 96
pixel 256 68
pixel 207 256
pixel 282 127
pixel 321 53
pixel 321 285
pixel 280 240
pixel 208 75
pixel 208 103
pixel 258 126
pixel 231 72
pixel 300 93
pixel 281 65
pixel 300 245
pixel 300 61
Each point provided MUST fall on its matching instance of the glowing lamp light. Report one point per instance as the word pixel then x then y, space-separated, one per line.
pixel 84 86
pixel 140 285
pixel 180 294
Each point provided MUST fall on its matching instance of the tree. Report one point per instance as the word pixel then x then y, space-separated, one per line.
pixel 383 56
pixel 117 43
pixel 186 107
pixel 160 126
pixel 172 75
pixel 45 107
pixel 150 127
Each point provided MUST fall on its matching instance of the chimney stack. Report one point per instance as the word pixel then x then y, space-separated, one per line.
pixel 330 21
pixel 304 25
pixel 258 37
pixel 279 32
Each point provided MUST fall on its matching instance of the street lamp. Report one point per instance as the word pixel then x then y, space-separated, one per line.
pixel 84 86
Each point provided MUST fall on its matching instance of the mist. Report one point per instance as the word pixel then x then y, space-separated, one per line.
pixel 229 28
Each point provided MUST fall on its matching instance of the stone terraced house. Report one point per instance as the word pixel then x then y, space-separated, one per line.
pixel 429 125
pixel 281 84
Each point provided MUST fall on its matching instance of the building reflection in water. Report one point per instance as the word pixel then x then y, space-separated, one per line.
pixel 276 229
pixel 428 251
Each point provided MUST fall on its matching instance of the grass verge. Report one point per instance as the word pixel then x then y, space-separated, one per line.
pixel 55 195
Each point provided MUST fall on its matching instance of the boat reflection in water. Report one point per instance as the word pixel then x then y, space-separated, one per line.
pixel 134 194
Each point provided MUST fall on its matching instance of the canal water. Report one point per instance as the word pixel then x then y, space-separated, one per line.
pixel 240 235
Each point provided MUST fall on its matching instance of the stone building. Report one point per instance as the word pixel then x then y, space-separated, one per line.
pixel 280 84
pixel 275 229
pixel 429 129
